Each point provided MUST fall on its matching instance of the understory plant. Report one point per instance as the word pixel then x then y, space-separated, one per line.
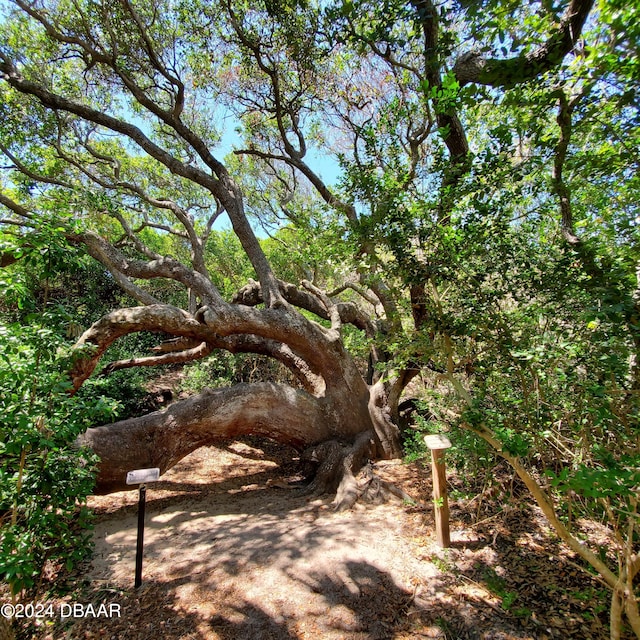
pixel 44 477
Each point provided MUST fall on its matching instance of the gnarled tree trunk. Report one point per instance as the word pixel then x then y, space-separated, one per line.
pixel 333 403
pixel 163 438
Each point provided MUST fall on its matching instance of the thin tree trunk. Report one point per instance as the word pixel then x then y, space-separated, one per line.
pixel 615 617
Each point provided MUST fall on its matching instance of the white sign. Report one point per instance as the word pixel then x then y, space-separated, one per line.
pixel 139 476
pixel 437 442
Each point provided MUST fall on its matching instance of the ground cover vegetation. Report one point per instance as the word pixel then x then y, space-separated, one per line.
pixel 481 236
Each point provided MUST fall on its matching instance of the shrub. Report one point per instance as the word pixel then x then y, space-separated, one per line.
pixel 44 477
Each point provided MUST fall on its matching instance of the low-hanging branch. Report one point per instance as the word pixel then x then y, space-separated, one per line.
pixel 179 357
pixel 271 410
pixel 184 349
pixel 163 267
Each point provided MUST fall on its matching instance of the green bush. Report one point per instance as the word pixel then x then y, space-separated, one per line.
pixel 44 477
pixel 216 371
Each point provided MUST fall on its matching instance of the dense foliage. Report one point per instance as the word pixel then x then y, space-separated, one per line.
pixel 484 217
pixel 44 478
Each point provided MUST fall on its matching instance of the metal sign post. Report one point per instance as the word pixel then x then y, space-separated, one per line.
pixel 437 444
pixel 140 477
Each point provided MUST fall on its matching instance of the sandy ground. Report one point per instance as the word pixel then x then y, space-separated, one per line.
pixel 229 554
pixel 250 560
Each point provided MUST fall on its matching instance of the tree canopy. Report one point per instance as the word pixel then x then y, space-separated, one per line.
pixel 481 234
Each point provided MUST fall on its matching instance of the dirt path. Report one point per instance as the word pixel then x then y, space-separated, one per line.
pixel 229 555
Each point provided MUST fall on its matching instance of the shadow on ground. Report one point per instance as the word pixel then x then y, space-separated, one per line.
pixel 227 557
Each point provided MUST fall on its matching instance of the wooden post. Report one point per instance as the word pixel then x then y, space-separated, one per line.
pixel 437 444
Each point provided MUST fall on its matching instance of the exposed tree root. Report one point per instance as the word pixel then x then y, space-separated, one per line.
pixel 347 471
pixel 377 490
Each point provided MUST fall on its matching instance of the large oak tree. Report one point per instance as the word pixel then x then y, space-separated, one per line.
pixel 114 117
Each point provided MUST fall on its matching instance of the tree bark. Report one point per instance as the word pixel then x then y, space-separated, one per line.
pixel 334 403
pixel 162 438
pixel 6 632
pixel 281 413
pixel 473 67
